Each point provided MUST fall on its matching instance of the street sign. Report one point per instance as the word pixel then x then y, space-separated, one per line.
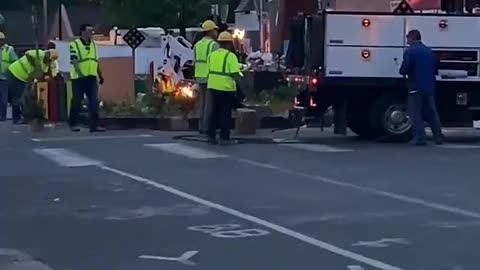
pixel 403 8
pixel 394 4
pixel 134 38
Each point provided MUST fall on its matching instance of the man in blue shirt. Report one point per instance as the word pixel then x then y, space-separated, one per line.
pixel 420 67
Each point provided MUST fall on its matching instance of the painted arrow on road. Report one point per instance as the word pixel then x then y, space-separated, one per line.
pixel 184 259
pixel 22 260
pixel 384 242
pixel 15 253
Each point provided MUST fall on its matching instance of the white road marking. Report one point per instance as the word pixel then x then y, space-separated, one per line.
pixel 21 260
pixel 84 138
pixel 391 195
pixel 66 158
pixel 384 242
pixel 316 147
pixel 184 259
pixel 355 267
pixel 213 228
pixel 310 147
pixel 278 140
pixel 15 253
pixel 458 146
pixel 258 164
pixel 240 233
pixel 253 219
pixel 227 231
pixel 186 150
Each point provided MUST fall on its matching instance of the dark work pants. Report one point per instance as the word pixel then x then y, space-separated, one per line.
pixel 16 90
pixel 84 86
pixel 422 107
pixel 3 99
pixel 204 107
pixel 221 113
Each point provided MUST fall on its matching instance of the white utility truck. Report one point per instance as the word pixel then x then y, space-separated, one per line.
pixel 352 61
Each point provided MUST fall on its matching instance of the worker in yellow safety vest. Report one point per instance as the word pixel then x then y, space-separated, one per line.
pixel 8 56
pixel 31 66
pixel 223 76
pixel 165 83
pixel 53 69
pixel 85 75
pixel 202 50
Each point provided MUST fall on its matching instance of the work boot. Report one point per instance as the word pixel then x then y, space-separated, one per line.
pixel 212 141
pixel 75 129
pixel 439 140
pixel 19 122
pixel 418 143
pixel 98 129
pixel 228 142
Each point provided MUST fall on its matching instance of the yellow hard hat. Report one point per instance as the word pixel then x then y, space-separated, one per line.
pixel 2 35
pixel 53 54
pixel 209 25
pixel 225 36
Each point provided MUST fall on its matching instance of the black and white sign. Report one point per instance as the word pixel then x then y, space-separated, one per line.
pixel 134 38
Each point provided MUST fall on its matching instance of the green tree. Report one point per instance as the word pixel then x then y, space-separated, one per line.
pixel 162 13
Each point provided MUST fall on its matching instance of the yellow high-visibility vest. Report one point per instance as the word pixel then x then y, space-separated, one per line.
pixel 222 65
pixel 167 85
pixel 54 68
pixel 87 59
pixel 6 60
pixel 23 70
pixel 201 51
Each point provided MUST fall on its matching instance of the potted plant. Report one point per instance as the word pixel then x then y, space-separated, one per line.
pixel 33 112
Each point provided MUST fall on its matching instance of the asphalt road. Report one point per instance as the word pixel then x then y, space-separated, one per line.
pixel 143 200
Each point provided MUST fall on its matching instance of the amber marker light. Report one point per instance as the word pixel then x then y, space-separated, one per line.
pixel 366 54
pixel 366 23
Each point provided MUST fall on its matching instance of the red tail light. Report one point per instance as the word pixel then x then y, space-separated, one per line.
pixel 314 82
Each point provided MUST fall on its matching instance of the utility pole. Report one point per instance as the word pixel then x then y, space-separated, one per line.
pixel 35 27
pixel 183 24
pixel 37 38
pixel 262 31
pixel 60 21
pixel 45 23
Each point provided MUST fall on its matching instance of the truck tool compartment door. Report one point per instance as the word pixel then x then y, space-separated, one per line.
pixel 363 45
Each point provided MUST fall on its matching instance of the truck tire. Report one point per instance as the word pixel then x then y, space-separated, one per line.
pixel 358 120
pixel 389 118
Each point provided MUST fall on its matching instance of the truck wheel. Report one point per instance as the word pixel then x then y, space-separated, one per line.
pixel 390 119
pixel 357 120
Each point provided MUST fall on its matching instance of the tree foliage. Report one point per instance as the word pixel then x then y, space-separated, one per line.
pixel 126 13
pixel 163 13
pixel 52 4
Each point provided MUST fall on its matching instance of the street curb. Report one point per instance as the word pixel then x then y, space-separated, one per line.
pixel 179 124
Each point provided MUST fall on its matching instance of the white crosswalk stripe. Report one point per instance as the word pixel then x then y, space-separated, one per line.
pixel 458 146
pixel 312 147
pixel 186 150
pixel 66 158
